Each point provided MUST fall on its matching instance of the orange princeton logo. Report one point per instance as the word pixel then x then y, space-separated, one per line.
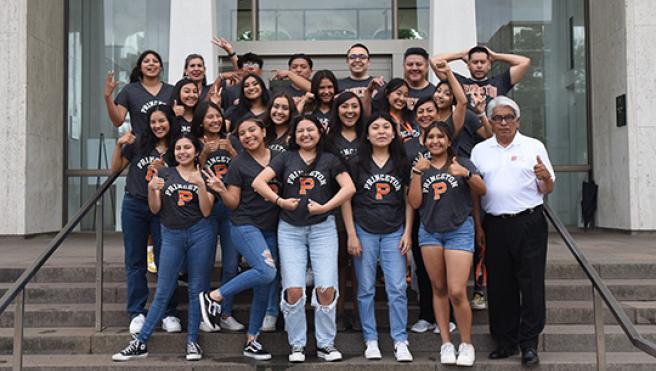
pixel 184 197
pixel 306 184
pixel 438 189
pixel 220 169
pixel 381 190
pixel 149 173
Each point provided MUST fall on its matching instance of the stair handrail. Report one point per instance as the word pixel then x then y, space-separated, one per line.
pixel 601 292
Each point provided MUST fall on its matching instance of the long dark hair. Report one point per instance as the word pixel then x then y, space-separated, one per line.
pixel 199 115
pixel 136 74
pixel 314 88
pixel 453 97
pixel 446 130
pixel 269 124
pixel 293 145
pixel 188 59
pixel 335 124
pixel 243 108
pixel 396 150
pixel 175 97
pixel 383 101
pixel 148 140
pixel 195 141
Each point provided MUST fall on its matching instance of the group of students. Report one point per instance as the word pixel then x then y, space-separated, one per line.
pixel 318 173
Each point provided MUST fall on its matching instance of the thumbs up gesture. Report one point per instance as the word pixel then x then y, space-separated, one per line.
pixel 127 138
pixel 178 109
pixel 456 169
pixel 156 183
pixel 540 170
pixel 159 163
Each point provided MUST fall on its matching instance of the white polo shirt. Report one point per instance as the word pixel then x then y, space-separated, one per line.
pixel 511 184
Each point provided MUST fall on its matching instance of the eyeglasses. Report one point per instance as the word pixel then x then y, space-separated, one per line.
pixel 506 118
pixel 250 64
pixel 363 57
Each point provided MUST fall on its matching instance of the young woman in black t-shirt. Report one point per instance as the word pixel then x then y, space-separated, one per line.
pixel 319 101
pixel 253 101
pixel 180 196
pixel 144 91
pixel 379 224
pixel 279 115
pixel 144 153
pixel 253 229
pixel 393 101
pixel 184 102
pixel 442 189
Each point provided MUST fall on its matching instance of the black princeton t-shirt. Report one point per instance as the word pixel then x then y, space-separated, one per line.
pixel 218 161
pixel 297 182
pixel 182 126
pixel 357 87
pixel 468 137
pixel 412 150
pixel 494 86
pixel 252 208
pixel 323 118
pixel 378 204
pixel 180 205
pixel 279 144
pixel 446 201
pixel 346 148
pixel 415 94
pixel 136 182
pixel 138 100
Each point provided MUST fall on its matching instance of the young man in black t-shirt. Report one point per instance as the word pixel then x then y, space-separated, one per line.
pixel 415 73
pixel 357 59
pixel 299 73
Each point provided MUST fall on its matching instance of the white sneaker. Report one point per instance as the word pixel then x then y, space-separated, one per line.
pixel 422 326
pixel 269 323
pixel 137 323
pixel 329 354
pixel 205 328
pixel 448 354
pixel 401 352
pixel 452 328
pixel 466 355
pixel 171 324
pixel 231 324
pixel 372 352
pixel 297 355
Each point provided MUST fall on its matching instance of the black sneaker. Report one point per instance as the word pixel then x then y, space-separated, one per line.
pixel 194 352
pixel 210 310
pixel 329 354
pixel 134 350
pixel 254 350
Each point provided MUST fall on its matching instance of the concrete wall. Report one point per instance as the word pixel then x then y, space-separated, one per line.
pixel 622 157
pixel 32 48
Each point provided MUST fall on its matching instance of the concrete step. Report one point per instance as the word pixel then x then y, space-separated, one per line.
pixel 556 269
pixel 552 361
pixel 115 292
pixel 114 315
pixel 555 338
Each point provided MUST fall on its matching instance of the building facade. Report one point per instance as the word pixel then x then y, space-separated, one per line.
pixel 585 56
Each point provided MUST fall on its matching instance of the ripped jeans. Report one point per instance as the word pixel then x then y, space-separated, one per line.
pixel 319 241
pixel 260 250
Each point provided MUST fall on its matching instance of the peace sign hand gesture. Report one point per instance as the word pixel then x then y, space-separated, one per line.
pixel 213 181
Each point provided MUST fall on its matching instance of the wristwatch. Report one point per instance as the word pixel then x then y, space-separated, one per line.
pixel 469 174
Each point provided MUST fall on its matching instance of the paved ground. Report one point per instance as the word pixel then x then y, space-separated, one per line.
pixel 79 248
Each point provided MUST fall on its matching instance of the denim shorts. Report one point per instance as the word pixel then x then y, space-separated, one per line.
pixel 461 238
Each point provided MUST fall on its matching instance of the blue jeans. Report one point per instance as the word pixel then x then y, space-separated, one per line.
pixel 383 247
pixel 260 250
pixel 192 245
pixel 320 242
pixel 220 219
pixel 137 222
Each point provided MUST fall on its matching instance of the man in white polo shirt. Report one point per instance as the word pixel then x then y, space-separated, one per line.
pixel 517 173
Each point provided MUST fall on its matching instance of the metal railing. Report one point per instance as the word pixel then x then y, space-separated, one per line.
pixel 600 295
pixel 17 290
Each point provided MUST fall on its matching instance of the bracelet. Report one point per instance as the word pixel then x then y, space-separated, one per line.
pixel 469 174
pixel 277 198
pixel 230 55
pixel 415 171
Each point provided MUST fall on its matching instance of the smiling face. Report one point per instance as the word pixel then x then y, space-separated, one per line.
pixel 349 112
pixel 189 95
pixel 397 98
pixel 213 121
pixel 195 69
pixel 436 142
pixel 504 124
pixel 252 88
pixel 301 67
pixel 380 133
pixel 307 135
pixel 251 135
pixel 185 152
pixel 326 91
pixel 358 61
pixel 443 96
pixel 150 66
pixel 280 111
pixel 159 124
pixel 415 69
pixel 426 113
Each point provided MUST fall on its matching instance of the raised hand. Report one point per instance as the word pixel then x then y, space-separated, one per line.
pixel 540 170
pixel 375 83
pixel 178 109
pixel 196 178
pixel 308 97
pixel 110 84
pixel 223 44
pixel 456 169
pixel 156 183
pixel 214 94
pixel 213 181
pixel 127 138
pixel 158 163
pixel 210 146
pixel 423 163
pixel 441 66
pixel 279 74
pixel 479 100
